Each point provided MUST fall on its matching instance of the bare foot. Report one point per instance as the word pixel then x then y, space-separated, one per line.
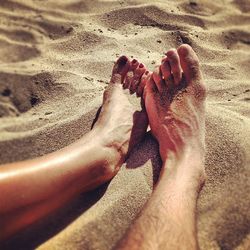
pixel 120 125
pixel 174 97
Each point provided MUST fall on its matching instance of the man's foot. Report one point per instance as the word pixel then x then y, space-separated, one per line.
pixel 174 97
pixel 120 126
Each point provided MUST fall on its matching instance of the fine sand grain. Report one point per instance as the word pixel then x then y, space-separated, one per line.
pixel 55 61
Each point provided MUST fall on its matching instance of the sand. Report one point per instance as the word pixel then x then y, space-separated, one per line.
pixel 55 61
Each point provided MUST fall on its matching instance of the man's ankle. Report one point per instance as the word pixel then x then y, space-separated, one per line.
pixel 185 168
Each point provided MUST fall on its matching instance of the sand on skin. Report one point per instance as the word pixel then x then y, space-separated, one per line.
pixel 56 58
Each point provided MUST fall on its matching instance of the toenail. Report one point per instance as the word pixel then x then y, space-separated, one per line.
pixel 170 53
pixel 146 73
pixel 122 60
pixel 141 65
pixel 134 61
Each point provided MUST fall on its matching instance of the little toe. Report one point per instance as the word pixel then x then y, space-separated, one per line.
pixel 133 65
pixel 157 77
pixel 189 63
pixel 150 86
pixel 175 64
pixel 120 69
pixel 138 72
pixel 142 83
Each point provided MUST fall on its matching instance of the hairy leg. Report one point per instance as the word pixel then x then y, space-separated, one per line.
pixel 175 102
pixel 32 189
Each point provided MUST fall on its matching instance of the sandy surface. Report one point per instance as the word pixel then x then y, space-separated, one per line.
pixel 55 61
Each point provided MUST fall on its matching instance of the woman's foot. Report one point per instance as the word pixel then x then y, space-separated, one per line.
pixel 120 126
pixel 174 97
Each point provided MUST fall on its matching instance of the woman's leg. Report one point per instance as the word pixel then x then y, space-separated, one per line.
pixel 32 189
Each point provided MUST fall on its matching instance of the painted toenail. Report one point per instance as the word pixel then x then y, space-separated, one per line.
pixel 141 65
pixel 122 60
pixel 146 73
pixel 134 61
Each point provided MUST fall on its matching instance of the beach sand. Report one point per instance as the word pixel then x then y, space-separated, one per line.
pixel 56 59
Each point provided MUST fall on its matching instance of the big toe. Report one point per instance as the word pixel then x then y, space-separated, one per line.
pixel 120 69
pixel 189 63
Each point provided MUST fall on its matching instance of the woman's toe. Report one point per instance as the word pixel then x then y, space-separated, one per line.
pixel 120 70
pixel 130 73
pixel 138 72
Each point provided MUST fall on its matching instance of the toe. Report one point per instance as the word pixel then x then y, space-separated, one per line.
pixel 133 65
pixel 166 70
pixel 174 61
pixel 120 69
pixel 157 77
pixel 142 83
pixel 138 72
pixel 189 63
pixel 150 86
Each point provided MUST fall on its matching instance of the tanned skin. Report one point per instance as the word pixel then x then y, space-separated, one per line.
pixel 174 97
pixel 32 189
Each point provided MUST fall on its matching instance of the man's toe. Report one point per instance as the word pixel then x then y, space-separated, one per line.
pixel 142 83
pixel 174 61
pixel 157 77
pixel 189 63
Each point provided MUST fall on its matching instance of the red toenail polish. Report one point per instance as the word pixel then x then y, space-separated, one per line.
pixel 134 61
pixel 146 73
pixel 141 65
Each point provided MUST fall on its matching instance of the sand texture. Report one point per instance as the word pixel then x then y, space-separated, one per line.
pixel 55 61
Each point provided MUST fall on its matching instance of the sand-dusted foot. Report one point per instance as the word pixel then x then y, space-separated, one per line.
pixel 175 103
pixel 120 125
